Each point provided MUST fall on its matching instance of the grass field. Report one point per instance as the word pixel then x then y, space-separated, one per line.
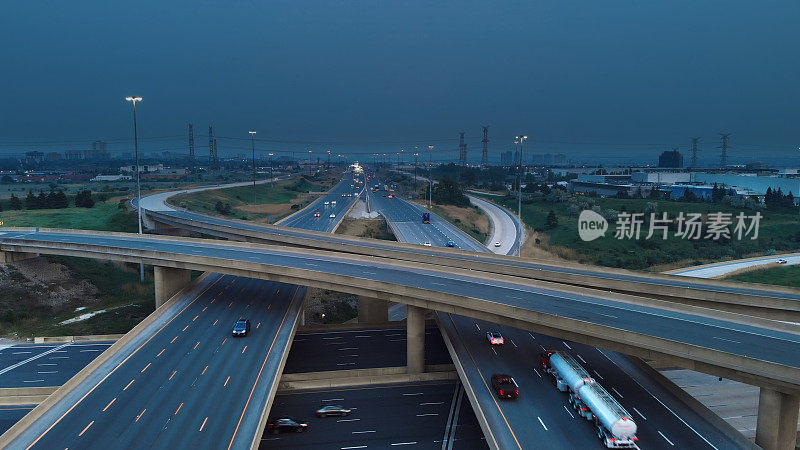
pixel 273 201
pixel 104 216
pixel 470 220
pixel 777 232
pixel 782 276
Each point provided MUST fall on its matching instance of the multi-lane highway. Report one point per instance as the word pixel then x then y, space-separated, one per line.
pixel 189 383
pixel 336 202
pixel 759 342
pixel 664 422
pixel 36 365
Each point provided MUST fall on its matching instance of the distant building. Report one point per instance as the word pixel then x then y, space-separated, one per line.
pixel 143 168
pixel 165 174
pixel 661 177
pixel 111 178
pixel 100 146
pixel 507 158
pixel 559 159
pixel 670 158
pixel 33 158
pixel 53 156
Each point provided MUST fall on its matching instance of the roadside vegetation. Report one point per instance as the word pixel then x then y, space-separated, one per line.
pixel 366 228
pixel 273 200
pixel 108 215
pixel 781 276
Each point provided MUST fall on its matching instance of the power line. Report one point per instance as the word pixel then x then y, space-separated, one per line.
pixel 485 147
pixel 724 155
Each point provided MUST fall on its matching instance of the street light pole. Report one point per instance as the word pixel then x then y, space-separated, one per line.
pixel 430 178
pixel 138 183
pixel 271 174
pixel 253 145
pixel 415 170
pixel 521 139
pixel 309 163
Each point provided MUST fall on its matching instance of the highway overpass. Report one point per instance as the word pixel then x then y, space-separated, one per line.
pixel 757 352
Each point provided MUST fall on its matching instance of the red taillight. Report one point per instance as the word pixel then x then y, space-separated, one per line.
pixel 584 409
pixel 501 392
pixel 612 439
pixel 304 425
pixel 634 438
pixel 516 391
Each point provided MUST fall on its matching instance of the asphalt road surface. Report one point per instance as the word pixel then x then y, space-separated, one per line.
pixel 414 416
pixel 35 365
pixel 542 415
pixel 345 194
pixel 359 349
pixel 190 383
pixel 745 340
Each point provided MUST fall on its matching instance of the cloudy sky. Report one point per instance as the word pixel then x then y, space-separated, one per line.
pixel 594 80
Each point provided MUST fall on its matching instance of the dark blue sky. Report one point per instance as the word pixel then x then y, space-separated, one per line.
pixel 594 80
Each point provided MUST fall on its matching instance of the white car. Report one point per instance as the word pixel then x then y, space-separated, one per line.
pixel 332 216
pixel 327 203
pixel 497 244
pixel 782 261
pixel 333 202
pixel 495 338
pixel 427 244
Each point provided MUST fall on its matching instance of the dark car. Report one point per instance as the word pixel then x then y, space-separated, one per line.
pixel 505 386
pixel 284 424
pixel 451 243
pixel 333 410
pixel 241 328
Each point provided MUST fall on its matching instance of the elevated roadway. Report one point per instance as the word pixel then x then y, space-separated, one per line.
pixel 514 424
pixel 761 352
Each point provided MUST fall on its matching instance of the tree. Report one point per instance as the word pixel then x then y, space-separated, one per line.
pixel 15 202
pixel 6 179
pixel 44 201
pixel 448 192
pixel 84 199
pixel 689 196
pixel 551 221
pixel 31 202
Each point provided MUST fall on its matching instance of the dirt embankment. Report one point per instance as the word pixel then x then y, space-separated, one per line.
pixel 38 287
pixel 367 228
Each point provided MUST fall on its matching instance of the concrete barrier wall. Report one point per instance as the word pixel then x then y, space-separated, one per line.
pixel 74 382
pixel 748 370
pixel 363 377
pixel 88 338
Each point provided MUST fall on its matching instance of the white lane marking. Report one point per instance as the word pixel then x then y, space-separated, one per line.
pixel 640 414
pixel 476 326
pixel 348 348
pixel 608 315
pixel 427 414
pixel 568 411
pixel 59 357
pixel 353 447
pixel 582 360
pixel 333 337
pixel 53 371
pixel 348 420
pixel 346 364
pixel 537 373
pixel 514 343
pixel 431 403
pixel 495 351
pixel 90 350
pixel 665 438
pixel 543 425
pixel 566 345
pixel 404 443
pixel 20 353
pixel 531 336
pixel 33 381
pixel 662 403
pixel 362 336
pixel 362 432
pixel 14 366
pixel 369 273
pixel 598 375
pixel 615 390
pixel 47 364
pixel 414 393
pixel 726 340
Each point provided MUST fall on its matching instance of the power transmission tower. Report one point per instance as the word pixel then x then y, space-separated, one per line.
pixel 210 145
pixel 485 142
pixel 191 143
pixel 462 150
pixel 724 156
pixel 216 155
pixel 191 151
pixel 694 151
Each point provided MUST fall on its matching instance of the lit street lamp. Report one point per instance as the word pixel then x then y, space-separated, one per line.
pixel 521 140
pixel 138 184
pixel 271 175
pixel 253 145
pixel 309 163
pixel 430 178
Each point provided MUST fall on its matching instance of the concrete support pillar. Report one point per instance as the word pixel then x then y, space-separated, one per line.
pixel 776 427
pixel 169 281
pixel 10 257
pixel 415 342
pixel 372 310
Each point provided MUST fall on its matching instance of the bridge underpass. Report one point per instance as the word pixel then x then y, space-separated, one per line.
pixel 514 424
